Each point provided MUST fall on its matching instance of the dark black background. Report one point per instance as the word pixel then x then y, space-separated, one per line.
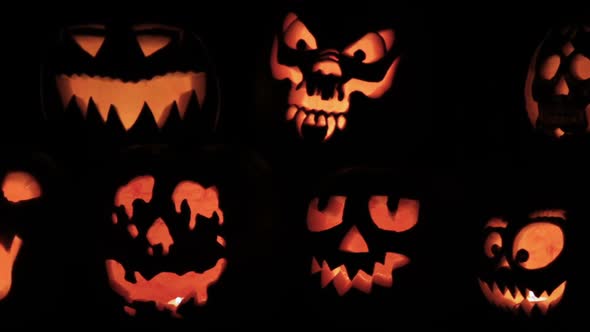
pixel 470 62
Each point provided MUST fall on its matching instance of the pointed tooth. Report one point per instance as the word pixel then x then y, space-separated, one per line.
pixel 544 295
pixel 162 116
pixel 310 120
pixel 291 111
pixel 321 121
pixel 363 282
pixel 342 281
pixel 527 307
pixel 138 277
pixel 327 274
pixel 543 306
pixel 496 290
pixel 341 122
pixel 315 266
pixel 331 127
pixel 182 102
pixel 299 118
pixel 518 297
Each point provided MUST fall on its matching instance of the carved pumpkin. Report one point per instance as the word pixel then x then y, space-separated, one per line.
pixel 130 81
pixel 558 82
pixel 360 225
pixel 337 66
pixel 170 232
pixel 527 248
pixel 521 258
pixel 17 186
pixel 31 231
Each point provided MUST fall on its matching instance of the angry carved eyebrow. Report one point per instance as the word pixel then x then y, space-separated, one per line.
pixel 550 213
pixel 496 223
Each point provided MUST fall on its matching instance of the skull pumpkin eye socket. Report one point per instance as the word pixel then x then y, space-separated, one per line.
pixel 580 67
pixel 329 217
pixel 88 37
pixel 298 37
pixel 549 67
pixel 492 244
pixel 538 245
pixel 371 47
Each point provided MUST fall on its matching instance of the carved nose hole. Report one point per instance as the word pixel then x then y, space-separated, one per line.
pixel 354 242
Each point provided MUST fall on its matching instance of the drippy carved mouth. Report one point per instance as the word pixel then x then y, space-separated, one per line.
pixel 317 118
pixel 127 99
pixel 166 289
pixel 381 275
pixel 514 298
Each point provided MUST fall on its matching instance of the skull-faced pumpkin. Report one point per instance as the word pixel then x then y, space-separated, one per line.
pixel 132 80
pixel 557 89
pixel 328 57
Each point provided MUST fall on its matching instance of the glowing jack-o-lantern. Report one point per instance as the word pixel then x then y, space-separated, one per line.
pixel 135 80
pixel 170 247
pixel 557 86
pixel 17 187
pixel 523 268
pixel 353 234
pixel 194 210
pixel 327 61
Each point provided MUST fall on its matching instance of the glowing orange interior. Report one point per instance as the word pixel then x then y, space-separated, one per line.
pixel 20 186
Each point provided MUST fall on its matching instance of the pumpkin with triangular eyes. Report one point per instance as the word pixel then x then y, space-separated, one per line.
pixel 557 89
pixel 129 81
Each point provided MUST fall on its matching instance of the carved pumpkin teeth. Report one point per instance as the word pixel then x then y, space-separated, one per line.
pixel 382 274
pixel 525 299
pixel 160 94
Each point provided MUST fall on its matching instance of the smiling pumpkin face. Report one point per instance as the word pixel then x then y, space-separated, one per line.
pixel 523 270
pixel 133 79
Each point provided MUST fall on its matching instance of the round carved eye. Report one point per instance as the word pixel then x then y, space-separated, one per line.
pixel 298 37
pixel 580 67
pixel 549 67
pixel 371 47
pixel 492 244
pixel 538 245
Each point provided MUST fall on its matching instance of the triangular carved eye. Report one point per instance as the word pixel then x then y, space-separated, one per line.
pixel 151 43
pixel 89 38
pixel 154 37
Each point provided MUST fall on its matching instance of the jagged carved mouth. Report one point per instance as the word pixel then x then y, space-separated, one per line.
pixel 515 298
pixel 316 118
pixel 381 275
pixel 166 289
pixel 127 99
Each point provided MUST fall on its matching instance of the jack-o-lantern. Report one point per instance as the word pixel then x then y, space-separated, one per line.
pixel 525 258
pixel 526 247
pixel 168 234
pixel 17 186
pixel 130 81
pixel 361 235
pixel 330 58
pixel 557 86
pixel 33 240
